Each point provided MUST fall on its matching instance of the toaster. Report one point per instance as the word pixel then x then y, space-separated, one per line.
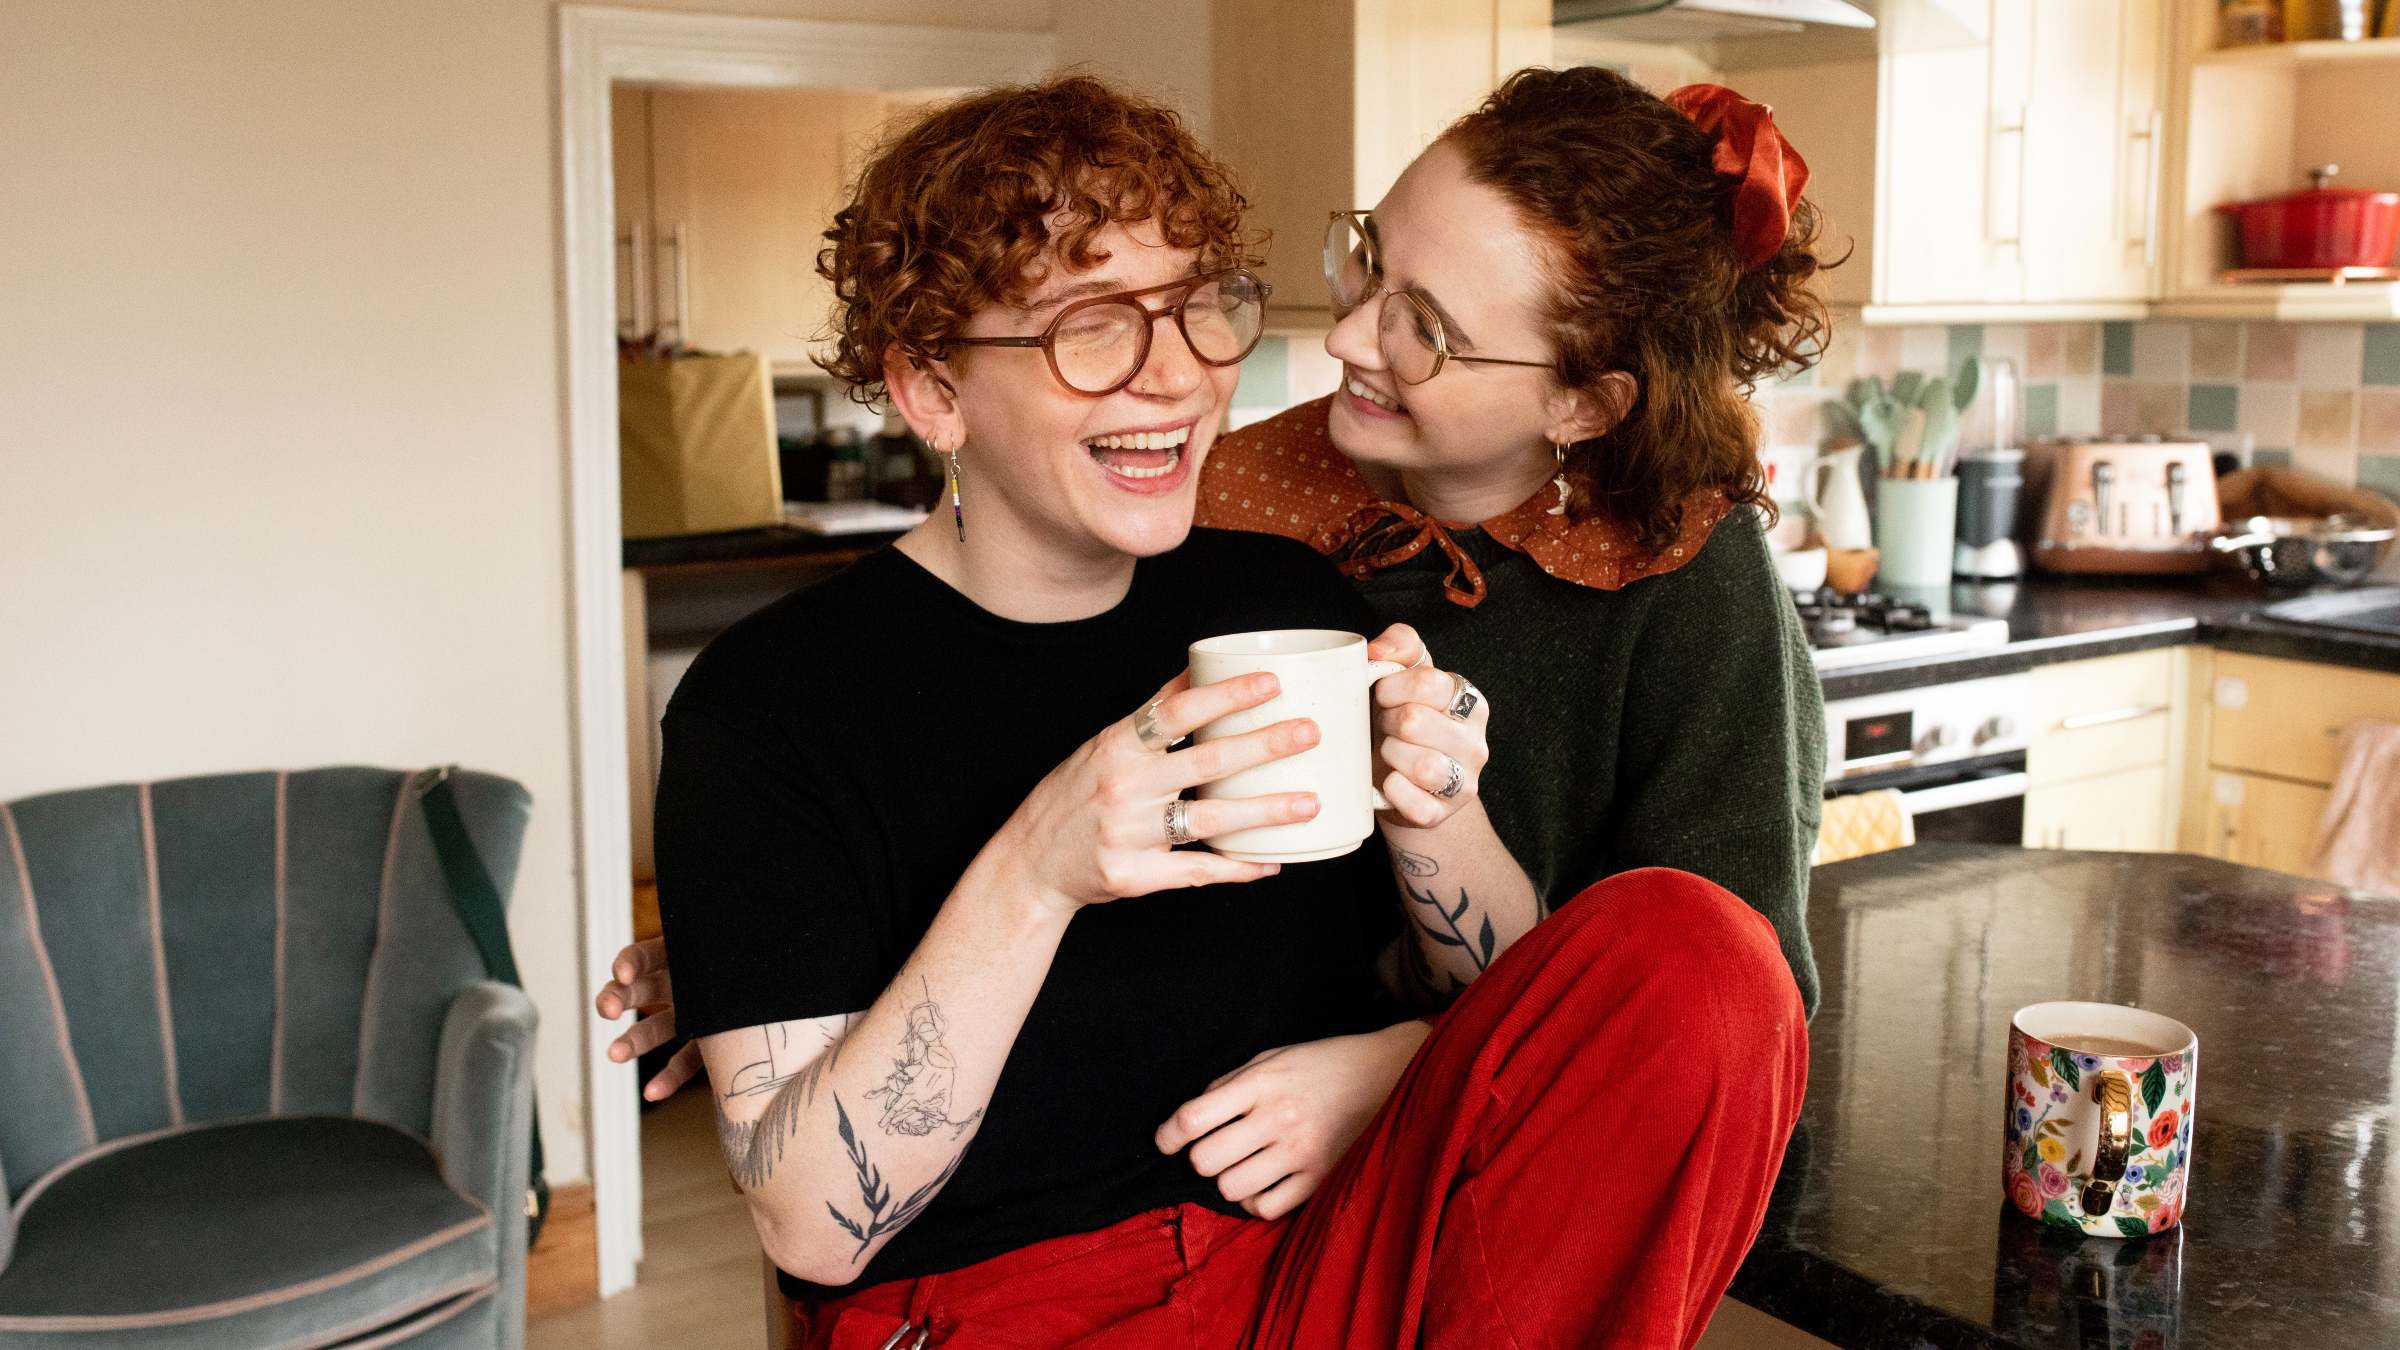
pixel 2127 505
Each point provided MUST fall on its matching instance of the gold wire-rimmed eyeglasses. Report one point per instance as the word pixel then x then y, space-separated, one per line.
pixel 1097 346
pixel 1414 341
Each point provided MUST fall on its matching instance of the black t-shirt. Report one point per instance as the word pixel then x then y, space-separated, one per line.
pixel 833 763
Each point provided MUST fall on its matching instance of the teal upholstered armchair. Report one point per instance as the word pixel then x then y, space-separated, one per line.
pixel 255 1089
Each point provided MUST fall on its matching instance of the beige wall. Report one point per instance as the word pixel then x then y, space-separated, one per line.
pixel 281 463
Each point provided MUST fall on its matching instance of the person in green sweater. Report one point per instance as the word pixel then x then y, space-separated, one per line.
pixel 1542 459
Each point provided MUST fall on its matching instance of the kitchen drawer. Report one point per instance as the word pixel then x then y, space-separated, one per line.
pixel 2286 718
pixel 2101 717
pixel 2263 822
pixel 2125 811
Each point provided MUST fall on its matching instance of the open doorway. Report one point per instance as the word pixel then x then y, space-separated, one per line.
pixel 844 78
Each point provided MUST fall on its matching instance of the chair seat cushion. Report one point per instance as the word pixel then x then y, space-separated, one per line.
pixel 294 1232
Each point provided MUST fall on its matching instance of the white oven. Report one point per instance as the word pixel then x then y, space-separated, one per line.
pixel 1956 753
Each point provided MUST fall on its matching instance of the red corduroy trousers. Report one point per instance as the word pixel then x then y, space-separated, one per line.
pixel 1579 1155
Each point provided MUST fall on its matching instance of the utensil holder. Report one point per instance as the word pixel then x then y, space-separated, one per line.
pixel 1916 528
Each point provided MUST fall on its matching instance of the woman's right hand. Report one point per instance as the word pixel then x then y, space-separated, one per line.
pixel 1095 829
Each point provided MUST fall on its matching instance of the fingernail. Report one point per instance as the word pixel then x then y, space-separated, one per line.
pixel 1307 805
pixel 1308 733
pixel 1273 868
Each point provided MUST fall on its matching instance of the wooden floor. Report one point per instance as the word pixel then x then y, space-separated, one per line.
pixel 701 1278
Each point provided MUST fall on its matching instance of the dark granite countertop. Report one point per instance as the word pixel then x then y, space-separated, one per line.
pixel 747 546
pixel 2053 619
pixel 1888 1227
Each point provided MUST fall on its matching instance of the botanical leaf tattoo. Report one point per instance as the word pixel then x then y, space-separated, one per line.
pixel 753 1147
pixel 880 1216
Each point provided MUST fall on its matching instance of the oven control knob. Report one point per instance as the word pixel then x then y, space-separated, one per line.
pixel 1936 737
pixel 1996 729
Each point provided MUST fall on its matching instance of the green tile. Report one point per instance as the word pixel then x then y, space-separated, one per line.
pixel 1966 343
pixel 2041 411
pixel 2380 472
pixel 1266 376
pixel 2270 459
pixel 2382 363
pixel 2214 407
pixel 2116 349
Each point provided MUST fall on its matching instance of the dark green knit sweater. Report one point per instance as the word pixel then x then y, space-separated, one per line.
pixel 1677 722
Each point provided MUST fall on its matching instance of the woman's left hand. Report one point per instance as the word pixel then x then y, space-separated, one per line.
pixel 1436 758
pixel 1271 1131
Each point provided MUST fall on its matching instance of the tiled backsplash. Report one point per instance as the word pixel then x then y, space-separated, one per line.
pixel 2321 396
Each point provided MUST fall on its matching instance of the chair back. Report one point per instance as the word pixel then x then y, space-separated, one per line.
pixel 229 946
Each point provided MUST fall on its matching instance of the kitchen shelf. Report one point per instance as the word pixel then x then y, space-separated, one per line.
pixel 2302 53
pixel 2090 311
pixel 2298 302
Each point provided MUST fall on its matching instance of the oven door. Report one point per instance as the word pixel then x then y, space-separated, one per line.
pixel 1974 801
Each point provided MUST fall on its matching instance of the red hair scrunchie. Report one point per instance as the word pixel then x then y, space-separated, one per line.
pixel 1750 149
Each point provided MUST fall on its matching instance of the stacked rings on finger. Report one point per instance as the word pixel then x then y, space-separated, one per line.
pixel 1146 728
pixel 1463 706
pixel 1179 824
pixel 1457 782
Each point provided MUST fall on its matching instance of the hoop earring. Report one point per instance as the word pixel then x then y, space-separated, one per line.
pixel 958 512
pixel 1560 482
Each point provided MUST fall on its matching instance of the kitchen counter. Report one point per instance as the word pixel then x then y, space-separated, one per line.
pixel 1888 1227
pixel 2053 619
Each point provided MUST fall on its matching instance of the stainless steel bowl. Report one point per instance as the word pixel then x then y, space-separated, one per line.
pixel 2302 550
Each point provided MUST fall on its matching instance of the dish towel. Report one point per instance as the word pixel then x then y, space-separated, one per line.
pixel 2358 843
pixel 1864 823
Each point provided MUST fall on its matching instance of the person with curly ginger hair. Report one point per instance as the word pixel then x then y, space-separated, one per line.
pixel 1000 1064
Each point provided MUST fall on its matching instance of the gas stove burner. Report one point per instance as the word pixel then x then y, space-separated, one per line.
pixel 1871 629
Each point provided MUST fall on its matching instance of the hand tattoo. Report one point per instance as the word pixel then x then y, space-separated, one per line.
pixel 916 1094
pixel 881 1216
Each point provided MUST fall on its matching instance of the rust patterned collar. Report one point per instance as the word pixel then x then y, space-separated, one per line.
pixel 1284 476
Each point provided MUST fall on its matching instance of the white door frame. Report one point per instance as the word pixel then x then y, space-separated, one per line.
pixel 598 46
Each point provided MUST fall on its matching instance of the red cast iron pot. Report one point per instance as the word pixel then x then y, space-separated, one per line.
pixel 2324 227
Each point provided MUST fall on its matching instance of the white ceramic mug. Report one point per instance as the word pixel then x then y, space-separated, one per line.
pixel 2098 1135
pixel 1325 676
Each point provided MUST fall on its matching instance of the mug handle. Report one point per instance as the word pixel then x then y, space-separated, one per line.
pixel 2113 1092
pixel 1376 671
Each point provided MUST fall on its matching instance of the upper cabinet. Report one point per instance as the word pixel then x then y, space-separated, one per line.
pixel 2021 171
pixel 1321 104
pixel 723 196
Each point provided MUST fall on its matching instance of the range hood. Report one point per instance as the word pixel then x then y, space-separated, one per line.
pixel 1704 20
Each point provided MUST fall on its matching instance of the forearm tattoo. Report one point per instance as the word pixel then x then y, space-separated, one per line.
pixel 1437 921
pixel 916 1094
pixel 880 1216
pixel 753 1147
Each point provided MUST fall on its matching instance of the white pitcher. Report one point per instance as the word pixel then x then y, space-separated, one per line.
pixel 1838 498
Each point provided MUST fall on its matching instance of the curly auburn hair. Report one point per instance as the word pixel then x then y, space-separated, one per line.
pixel 973 202
pixel 1619 189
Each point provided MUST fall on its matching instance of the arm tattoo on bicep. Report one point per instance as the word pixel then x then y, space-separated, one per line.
pixel 916 1094
pixel 754 1147
pixel 1426 910
pixel 880 1216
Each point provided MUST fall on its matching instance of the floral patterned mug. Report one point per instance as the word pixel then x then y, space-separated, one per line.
pixel 2099 1126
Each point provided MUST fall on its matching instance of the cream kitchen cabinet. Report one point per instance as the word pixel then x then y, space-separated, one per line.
pixel 2024 169
pixel 2274 730
pixel 723 196
pixel 2102 755
pixel 2262 821
pixel 2121 812
pixel 1321 104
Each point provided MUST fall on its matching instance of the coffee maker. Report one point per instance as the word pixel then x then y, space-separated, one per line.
pixel 1990 484
pixel 1991 479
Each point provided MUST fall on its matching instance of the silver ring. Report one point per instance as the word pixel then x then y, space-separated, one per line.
pixel 1463 706
pixel 1179 823
pixel 1146 728
pixel 1457 783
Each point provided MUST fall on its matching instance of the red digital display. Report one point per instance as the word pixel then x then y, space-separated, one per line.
pixel 1870 737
